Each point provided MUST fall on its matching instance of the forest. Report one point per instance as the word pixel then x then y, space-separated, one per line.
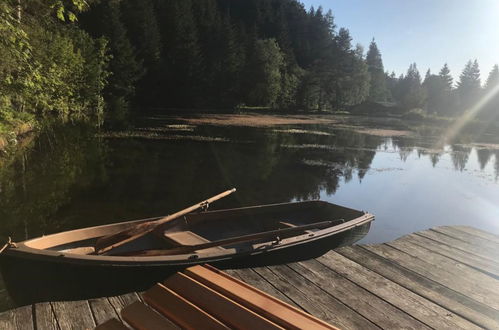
pixel 108 61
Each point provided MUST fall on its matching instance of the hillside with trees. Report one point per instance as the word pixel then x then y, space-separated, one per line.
pixel 110 60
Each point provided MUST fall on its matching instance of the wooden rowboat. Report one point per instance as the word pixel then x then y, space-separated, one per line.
pixel 246 236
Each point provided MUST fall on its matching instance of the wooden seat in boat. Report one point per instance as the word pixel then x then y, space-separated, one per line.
pixel 186 238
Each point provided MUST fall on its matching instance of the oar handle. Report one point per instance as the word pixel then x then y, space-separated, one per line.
pixel 194 207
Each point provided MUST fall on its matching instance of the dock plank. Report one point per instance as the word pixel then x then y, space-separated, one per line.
pixel 469 238
pixel 45 316
pixel 418 307
pixel 477 232
pixel 73 314
pixel 370 306
pixel 252 278
pixel 313 300
pixel 479 263
pixel 478 281
pixel 442 276
pixel 456 302
pixel 457 244
pixel 17 319
pixel 121 301
pixel 102 310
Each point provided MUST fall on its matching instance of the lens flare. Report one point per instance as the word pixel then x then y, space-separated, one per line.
pixel 467 116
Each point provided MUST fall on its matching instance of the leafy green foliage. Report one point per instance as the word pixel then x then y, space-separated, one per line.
pixel 48 68
pixel 265 73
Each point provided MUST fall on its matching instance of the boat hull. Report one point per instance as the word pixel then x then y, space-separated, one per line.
pixel 30 279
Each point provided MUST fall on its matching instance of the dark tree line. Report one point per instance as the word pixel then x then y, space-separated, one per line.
pixel 65 57
pixel 223 53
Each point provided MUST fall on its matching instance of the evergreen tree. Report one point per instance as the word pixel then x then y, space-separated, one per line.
pixel 427 75
pixel 412 93
pixel 106 21
pixel 446 77
pixel 469 87
pixel 493 79
pixel 447 104
pixel 264 69
pixel 435 90
pixel 143 32
pixel 377 89
pixel 491 90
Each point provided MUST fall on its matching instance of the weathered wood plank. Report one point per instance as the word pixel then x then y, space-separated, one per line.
pixel 418 307
pixel 467 277
pixel 45 317
pixel 360 300
pixel 141 316
pixel 477 241
pixel 120 302
pixel 442 276
pixel 252 278
pixel 112 324
pixel 312 299
pixel 73 314
pixel 477 232
pixel 460 304
pixel 17 319
pixel 477 262
pixel 102 310
pixel 456 243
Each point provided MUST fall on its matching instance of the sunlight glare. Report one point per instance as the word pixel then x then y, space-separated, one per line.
pixel 467 116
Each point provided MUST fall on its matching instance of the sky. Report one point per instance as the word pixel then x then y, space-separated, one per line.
pixel 428 32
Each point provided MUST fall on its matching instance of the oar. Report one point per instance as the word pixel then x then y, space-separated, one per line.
pixel 107 243
pixel 226 241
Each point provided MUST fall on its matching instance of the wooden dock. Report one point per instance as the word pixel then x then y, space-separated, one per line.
pixel 443 278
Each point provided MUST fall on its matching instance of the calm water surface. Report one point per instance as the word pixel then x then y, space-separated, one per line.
pixel 72 178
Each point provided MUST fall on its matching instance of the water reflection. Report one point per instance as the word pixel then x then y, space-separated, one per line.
pixel 70 178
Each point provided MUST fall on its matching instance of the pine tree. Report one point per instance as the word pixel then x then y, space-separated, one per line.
pixel 412 93
pixel 469 87
pixel 106 20
pixel 447 104
pixel 493 79
pixel 436 94
pixel 491 89
pixel 427 75
pixel 377 89
pixel 265 73
pixel 446 77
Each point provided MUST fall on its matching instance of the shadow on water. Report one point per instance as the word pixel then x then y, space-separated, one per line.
pixel 72 177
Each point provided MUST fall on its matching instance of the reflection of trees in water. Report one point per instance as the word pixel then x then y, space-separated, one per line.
pixel 43 178
pixel 459 155
pixel 434 158
pixel 70 179
pixel 496 164
pixel 483 157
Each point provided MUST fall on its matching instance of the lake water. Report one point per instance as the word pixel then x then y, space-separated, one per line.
pixel 71 177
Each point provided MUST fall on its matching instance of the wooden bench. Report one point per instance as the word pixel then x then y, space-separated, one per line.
pixel 186 238
pixel 203 297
